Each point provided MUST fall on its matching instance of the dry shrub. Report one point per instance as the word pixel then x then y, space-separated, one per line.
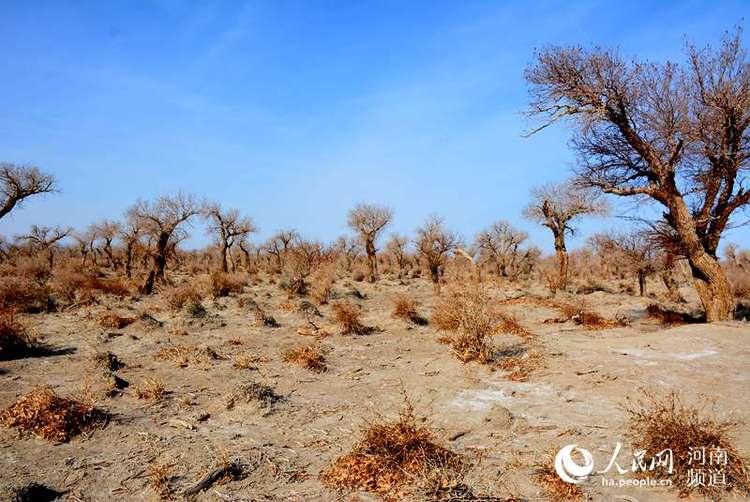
pixel 264 319
pixel 406 308
pixel 509 324
pixel 181 296
pixel 519 362
pixel 264 395
pixel 78 288
pixel 578 312
pixel 247 361
pixel 223 284
pixel 150 390
pixel 25 295
pixel 15 340
pixel 659 423
pixel 308 357
pixel 160 480
pixel 46 415
pixel 581 315
pixel 185 355
pixel 555 488
pixel 348 315
pixel 668 316
pixel 321 284
pixel 468 313
pixel 112 320
pixel 390 457
pixel 107 361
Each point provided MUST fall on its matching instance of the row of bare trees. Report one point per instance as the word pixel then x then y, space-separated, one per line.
pixel 674 136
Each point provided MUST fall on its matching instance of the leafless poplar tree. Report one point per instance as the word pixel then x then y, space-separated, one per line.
pixel 45 239
pixel 557 206
pixel 434 243
pixel 228 228
pixel 499 245
pixel 161 221
pixel 369 220
pixel 675 135
pixel 19 182
pixel 396 246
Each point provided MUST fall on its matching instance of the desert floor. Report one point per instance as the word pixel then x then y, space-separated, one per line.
pixel 576 396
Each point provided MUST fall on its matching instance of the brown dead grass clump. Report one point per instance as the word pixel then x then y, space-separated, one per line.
pixel 390 457
pixel 667 316
pixel 308 357
pixel 159 476
pixel 321 284
pixel 15 340
pixel 24 295
pixel 348 316
pixel 185 355
pixel 518 364
pixel 223 284
pixel 46 415
pixel 469 314
pixel 150 390
pixel 181 296
pixel 659 423
pixel 406 308
pixel 555 488
pixel 509 324
pixel 114 321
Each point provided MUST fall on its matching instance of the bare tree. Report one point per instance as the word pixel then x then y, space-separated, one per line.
pixel 369 220
pixel 45 239
pixel 557 206
pixel 499 245
pixel 434 243
pixel 673 135
pixel 83 242
pixel 229 228
pixel 636 249
pixel 396 246
pixel 107 232
pixel 19 182
pixel 278 246
pixel 161 221
pixel 130 235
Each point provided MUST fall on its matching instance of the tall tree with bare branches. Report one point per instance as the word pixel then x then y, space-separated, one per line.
pixel 107 231
pixel 162 221
pixel 279 245
pixel 557 206
pixel 396 246
pixel 499 245
pixel 675 135
pixel 45 239
pixel 18 182
pixel 229 228
pixel 369 220
pixel 434 244
pixel 130 236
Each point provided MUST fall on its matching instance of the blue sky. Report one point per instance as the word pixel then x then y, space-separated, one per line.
pixel 295 111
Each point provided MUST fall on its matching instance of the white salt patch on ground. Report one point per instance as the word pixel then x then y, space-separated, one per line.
pixel 697 355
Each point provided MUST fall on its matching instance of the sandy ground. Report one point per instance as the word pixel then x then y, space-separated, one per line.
pixel 576 398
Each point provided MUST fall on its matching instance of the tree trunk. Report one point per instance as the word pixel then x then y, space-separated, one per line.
pixel 224 250
pixel 713 288
pixel 159 264
pixel 708 277
pixel 642 282
pixel 128 261
pixel 562 258
pixel 372 262
pixel 435 276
